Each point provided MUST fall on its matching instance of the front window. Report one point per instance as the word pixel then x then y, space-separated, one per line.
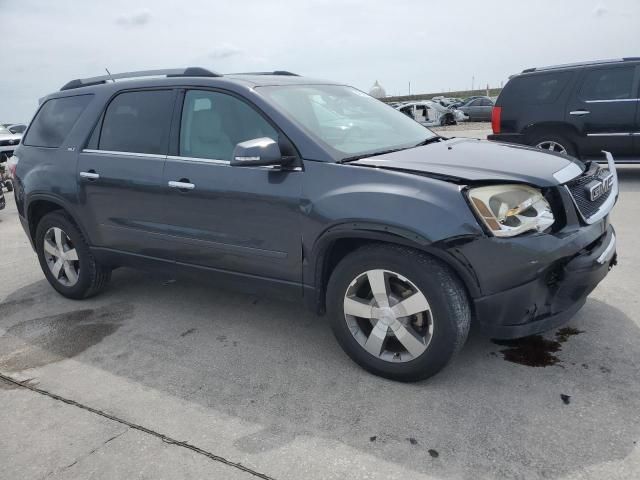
pixel 348 121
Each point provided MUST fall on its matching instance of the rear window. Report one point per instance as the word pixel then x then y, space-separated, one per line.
pixel 138 122
pixel 54 121
pixel 535 89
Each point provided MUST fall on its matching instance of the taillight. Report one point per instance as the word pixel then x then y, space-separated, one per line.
pixel 496 115
pixel 12 163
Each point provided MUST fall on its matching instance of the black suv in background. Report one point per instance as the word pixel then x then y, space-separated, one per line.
pixel 578 109
pixel 283 184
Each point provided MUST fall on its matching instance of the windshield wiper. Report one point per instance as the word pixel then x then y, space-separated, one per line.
pixel 367 155
pixel 429 140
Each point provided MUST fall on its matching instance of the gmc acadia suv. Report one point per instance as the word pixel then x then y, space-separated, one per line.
pixel 279 183
pixel 578 109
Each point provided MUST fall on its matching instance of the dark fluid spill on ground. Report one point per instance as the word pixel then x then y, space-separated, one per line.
pixel 535 350
pixel 41 341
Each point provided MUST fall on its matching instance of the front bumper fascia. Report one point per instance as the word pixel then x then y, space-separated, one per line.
pixel 552 298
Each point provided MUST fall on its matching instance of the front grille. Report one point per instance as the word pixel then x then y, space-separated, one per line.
pixel 580 193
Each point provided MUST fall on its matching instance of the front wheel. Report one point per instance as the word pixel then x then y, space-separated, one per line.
pixel 8 185
pixel 397 312
pixel 65 258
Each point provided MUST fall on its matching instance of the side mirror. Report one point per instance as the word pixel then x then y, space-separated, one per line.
pixel 257 152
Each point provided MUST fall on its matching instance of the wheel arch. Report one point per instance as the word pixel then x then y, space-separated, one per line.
pixel 337 242
pixel 555 128
pixel 40 205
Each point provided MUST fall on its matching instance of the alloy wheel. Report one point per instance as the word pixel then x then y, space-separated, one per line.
pixel 552 146
pixel 61 257
pixel 388 316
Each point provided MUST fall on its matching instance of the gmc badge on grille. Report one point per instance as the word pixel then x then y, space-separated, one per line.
pixel 597 188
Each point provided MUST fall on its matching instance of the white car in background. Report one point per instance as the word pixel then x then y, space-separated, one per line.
pixel 9 141
pixel 430 113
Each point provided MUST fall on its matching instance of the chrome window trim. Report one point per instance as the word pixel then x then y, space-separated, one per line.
pixel 608 204
pixel 124 154
pixel 199 159
pixel 610 134
pixel 612 100
pixel 227 163
pixel 567 173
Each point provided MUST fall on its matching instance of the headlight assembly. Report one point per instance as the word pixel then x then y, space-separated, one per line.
pixel 509 210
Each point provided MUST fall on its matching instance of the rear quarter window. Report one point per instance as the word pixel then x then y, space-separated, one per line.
pixel 535 89
pixel 54 121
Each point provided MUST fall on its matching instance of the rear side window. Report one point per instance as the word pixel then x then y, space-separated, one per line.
pixel 536 89
pixel 54 121
pixel 608 84
pixel 137 122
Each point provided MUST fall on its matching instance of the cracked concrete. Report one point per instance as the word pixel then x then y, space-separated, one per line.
pixel 263 384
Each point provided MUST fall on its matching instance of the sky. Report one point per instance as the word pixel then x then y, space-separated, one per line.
pixel 434 45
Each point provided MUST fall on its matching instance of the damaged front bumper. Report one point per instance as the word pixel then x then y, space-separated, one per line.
pixel 553 297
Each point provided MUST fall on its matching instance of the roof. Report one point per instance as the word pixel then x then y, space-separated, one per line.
pixel 177 75
pixel 581 64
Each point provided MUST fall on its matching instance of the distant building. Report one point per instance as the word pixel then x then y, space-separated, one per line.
pixel 377 91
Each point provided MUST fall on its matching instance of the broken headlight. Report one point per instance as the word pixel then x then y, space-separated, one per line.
pixel 509 210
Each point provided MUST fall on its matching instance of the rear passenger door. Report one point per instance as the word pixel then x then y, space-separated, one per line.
pixel 121 188
pixel 603 110
pixel 238 219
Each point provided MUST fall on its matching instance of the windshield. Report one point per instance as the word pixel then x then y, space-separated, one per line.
pixel 350 122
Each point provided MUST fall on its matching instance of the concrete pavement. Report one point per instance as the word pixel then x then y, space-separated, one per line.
pixel 256 387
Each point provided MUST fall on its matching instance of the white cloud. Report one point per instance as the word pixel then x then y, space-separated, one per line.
pixel 134 19
pixel 600 10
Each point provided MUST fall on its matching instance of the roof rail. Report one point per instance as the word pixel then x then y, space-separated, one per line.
pixel 171 72
pixel 275 72
pixel 579 64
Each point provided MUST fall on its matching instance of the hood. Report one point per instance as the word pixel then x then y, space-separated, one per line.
pixel 474 160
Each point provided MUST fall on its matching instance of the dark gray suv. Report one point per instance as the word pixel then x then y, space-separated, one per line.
pixel 312 189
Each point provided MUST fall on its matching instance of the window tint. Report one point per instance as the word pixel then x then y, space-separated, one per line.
pixel 54 121
pixel 536 89
pixel 213 123
pixel 609 84
pixel 137 122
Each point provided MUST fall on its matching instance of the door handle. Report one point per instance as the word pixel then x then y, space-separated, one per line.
pixel 579 112
pixel 90 175
pixel 181 185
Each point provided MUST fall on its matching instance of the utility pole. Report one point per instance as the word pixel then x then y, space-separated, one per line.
pixel 409 87
pixel 472 82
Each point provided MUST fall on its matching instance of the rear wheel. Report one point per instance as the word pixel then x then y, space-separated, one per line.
pixel 397 312
pixel 554 143
pixel 65 258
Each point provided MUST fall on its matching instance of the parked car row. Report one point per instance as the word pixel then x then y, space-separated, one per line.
pixel 10 136
pixel 577 109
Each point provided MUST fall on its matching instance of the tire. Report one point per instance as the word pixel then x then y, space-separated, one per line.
pixel 8 185
pixel 447 319
pixel 543 140
pixel 90 276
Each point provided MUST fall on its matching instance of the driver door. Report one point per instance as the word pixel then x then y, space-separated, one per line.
pixel 236 219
